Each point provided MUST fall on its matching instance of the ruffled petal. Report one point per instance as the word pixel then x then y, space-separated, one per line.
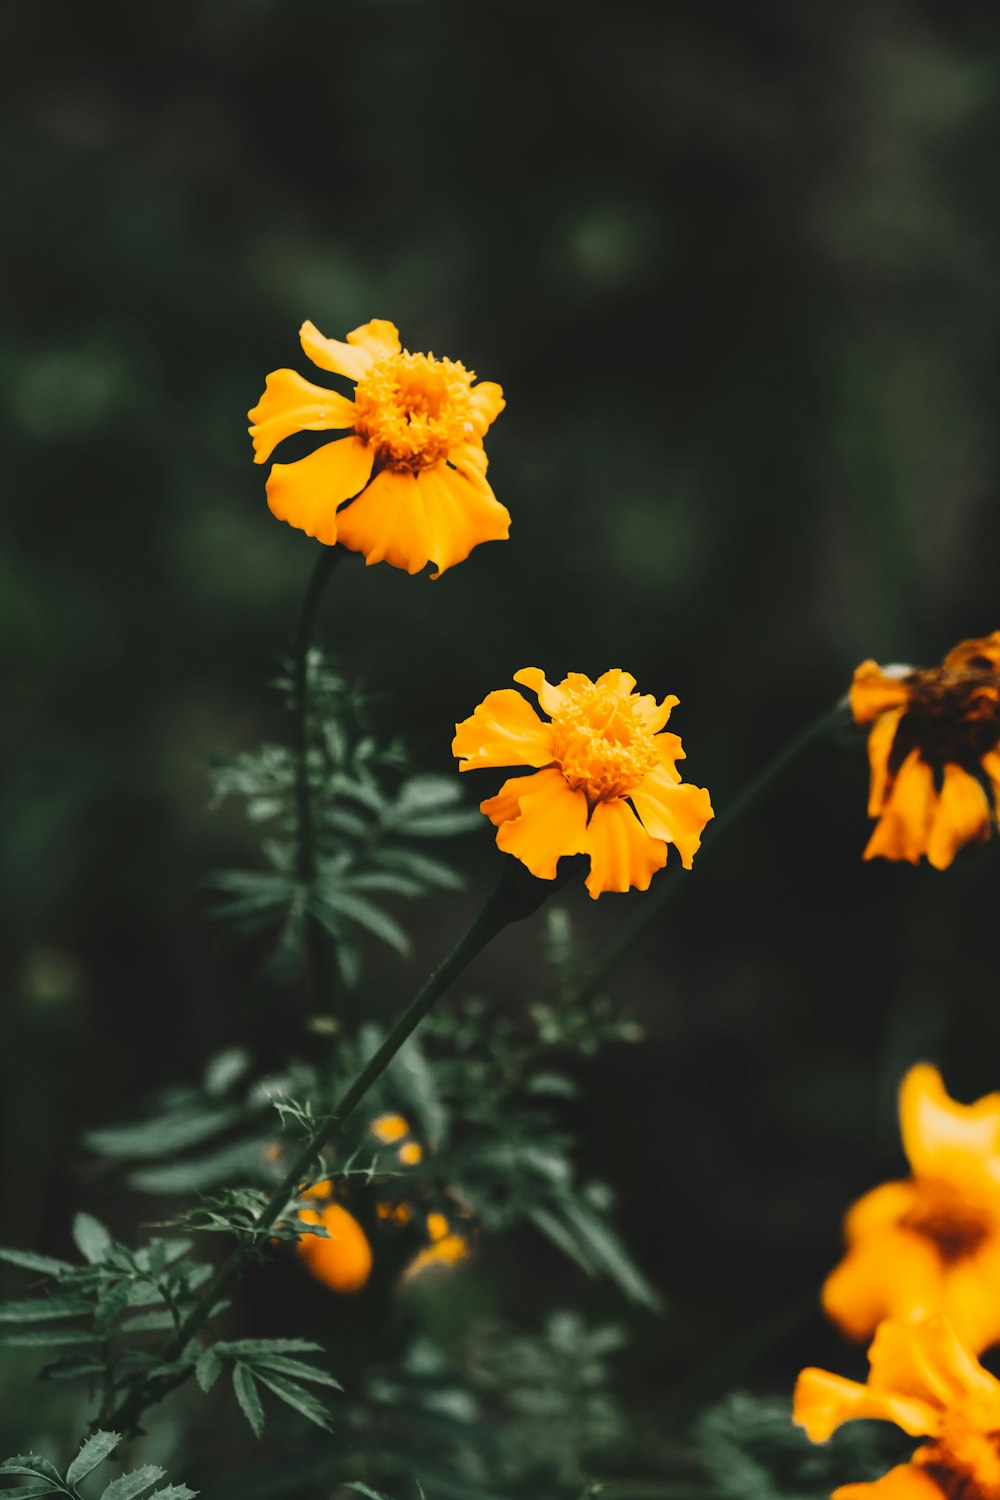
pixel 880 743
pixel 507 802
pixel 972 1297
pixel 306 494
pixel 375 340
pixel 551 698
pixel 487 403
pixel 962 816
pixel 622 854
pixel 676 812
pixel 503 731
pixel 388 522
pixel 893 1273
pixel 460 513
pixel 873 691
pixel 471 461
pixel 985 646
pixel 903 829
pixel 822 1402
pixel 669 750
pixel 881 1208
pixel 290 404
pixel 343 1261
pixel 944 1140
pixel 552 822
pixel 904 1482
pixel 926 1362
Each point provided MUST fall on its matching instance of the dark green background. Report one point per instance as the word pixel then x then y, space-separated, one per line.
pixel 737 267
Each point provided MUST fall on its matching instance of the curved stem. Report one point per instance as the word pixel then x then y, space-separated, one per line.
pixel 511 901
pixel 649 909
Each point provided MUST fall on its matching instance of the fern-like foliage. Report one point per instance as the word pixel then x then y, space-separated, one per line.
pixel 46 1479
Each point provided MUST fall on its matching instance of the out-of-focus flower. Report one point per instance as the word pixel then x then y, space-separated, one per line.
pixel 394 1129
pixel 602 761
pixel 446 1248
pixel 412 464
pixel 929 1244
pixel 924 1380
pixel 934 748
pixel 342 1259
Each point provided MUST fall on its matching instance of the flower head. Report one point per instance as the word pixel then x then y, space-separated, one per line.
pixel 412 463
pixel 929 1244
pixel 602 760
pixel 925 1381
pixel 342 1258
pixel 934 745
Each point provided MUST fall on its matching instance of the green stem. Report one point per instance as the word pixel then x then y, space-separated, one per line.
pixel 650 907
pixel 514 898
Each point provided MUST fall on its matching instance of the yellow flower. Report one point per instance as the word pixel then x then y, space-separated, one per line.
pixel 446 1248
pixel 933 746
pixel 924 1380
pixel 601 756
pixel 929 1244
pixel 342 1260
pixel 413 463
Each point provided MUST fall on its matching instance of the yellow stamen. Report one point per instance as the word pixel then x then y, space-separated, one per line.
pixel 602 742
pixel 414 409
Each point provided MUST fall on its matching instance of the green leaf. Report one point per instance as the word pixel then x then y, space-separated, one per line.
pixel 32 1491
pixel 364 1489
pixel 34 1466
pixel 91 1238
pixel 297 1368
pixel 605 1248
pixel 364 913
pixel 253 1349
pixel 225 1069
pixel 41 1309
pixel 208 1369
pixel 148 1139
pixel 72 1369
pixel 110 1305
pixel 239 1159
pixel 431 871
pixel 441 826
pixel 148 1322
pixel 174 1492
pixel 248 1397
pixel 29 1261
pixel 294 1396
pixel 46 1338
pixel 128 1486
pixel 95 1450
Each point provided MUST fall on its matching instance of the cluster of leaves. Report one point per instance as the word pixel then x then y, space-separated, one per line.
pixel 47 1480
pixel 370 819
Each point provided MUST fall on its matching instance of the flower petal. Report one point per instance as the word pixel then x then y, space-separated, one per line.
pixel 926 1361
pixel 344 1260
pixel 676 812
pixel 461 513
pixel 487 403
pixel 944 1140
pixel 991 765
pixel 873 691
pixel 622 854
pixel 550 698
pixel 552 822
pixel 986 646
pixel 892 1273
pixel 972 1296
pixel 507 802
pixel 504 730
pixel 902 830
pixel 375 340
pixel 290 404
pixel 880 743
pixel 822 1402
pixel 904 1482
pixel 962 816
pixel 306 494
pixel 388 522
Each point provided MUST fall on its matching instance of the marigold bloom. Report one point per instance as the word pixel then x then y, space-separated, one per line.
pixel 412 465
pixel 930 1244
pixel 601 756
pixel 446 1248
pixel 934 746
pixel 343 1259
pixel 924 1380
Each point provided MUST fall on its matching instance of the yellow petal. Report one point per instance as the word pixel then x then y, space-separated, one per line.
pixel 343 1261
pixel 822 1402
pixel 882 1208
pixel 904 1482
pixel 891 1273
pixel 986 646
pixel 306 494
pixel 872 692
pixel 944 1140
pixel 388 522
pixel 445 1252
pixel 503 731
pixel 926 1362
pixel 471 460
pixel 880 742
pixel 902 830
pixel 972 1297
pixel 551 698
pixel 507 802
pixel 991 765
pixel 372 341
pixel 460 514
pixel 290 404
pixel 674 812
pixel 622 854
pixel 962 816
pixel 487 403
pixel 552 822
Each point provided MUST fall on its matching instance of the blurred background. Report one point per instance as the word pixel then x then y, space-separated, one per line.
pixel 737 269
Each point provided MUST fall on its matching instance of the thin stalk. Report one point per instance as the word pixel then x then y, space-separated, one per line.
pixel 652 904
pixel 511 901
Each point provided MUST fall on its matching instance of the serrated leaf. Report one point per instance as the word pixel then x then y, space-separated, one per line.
pixel 128 1486
pixel 47 1265
pixel 297 1369
pixel 174 1492
pixel 294 1396
pixel 34 1466
pixel 91 1238
pixel 49 1338
pixel 254 1348
pixel 32 1491
pixel 95 1450
pixel 41 1309
pixel 364 913
pixel 72 1369
pixel 110 1305
pixel 208 1369
pixel 249 1398
pixel 148 1322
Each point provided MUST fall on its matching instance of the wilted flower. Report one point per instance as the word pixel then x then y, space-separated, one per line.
pixel 924 1380
pixel 931 1243
pixel 413 464
pixel 602 761
pixel 934 749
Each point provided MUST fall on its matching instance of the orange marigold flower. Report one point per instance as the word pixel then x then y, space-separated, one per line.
pixel 934 747
pixel 446 1248
pixel 929 1244
pixel 601 756
pixel 343 1259
pixel 412 465
pixel 924 1380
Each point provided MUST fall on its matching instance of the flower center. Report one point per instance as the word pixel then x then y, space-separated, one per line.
pixel 953 714
pixel 965 1460
pixel 414 409
pixel 602 743
pixel 944 1215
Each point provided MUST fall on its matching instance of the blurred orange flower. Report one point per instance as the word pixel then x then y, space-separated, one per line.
pixel 924 1380
pixel 602 761
pixel 342 1259
pixel 934 747
pixel 931 1243
pixel 413 463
